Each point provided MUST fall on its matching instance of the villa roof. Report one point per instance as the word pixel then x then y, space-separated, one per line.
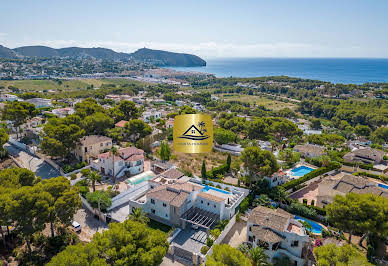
pixel 344 187
pixel 265 217
pixel 165 193
pixel 210 197
pixel 180 199
pixel 172 174
pixel 121 123
pixel 186 186
pixel 310 148
pixel 93 139
pixel 266 234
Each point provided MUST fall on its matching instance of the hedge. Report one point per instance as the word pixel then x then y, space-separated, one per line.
pixel 222 169
pixel 361 165
pixel 380 177
pixel 293 183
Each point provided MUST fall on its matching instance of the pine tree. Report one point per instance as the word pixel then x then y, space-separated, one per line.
pixel 228 161
pixel 203 170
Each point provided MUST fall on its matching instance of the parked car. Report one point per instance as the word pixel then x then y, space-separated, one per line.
pixel 76 226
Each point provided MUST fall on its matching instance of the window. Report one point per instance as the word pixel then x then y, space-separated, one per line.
pixel 164 205
pixel 201 201
pixel 214 206
pixel 294 243
pixel 153 211
pixel 152 201
pixel 250 229
pixel 101 144
pixel 166 215
pixel 107 144
pixel 208 204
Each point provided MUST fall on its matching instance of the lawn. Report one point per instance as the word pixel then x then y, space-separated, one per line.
pixel 40 85
pixel 192 162
pixel 258 100
pixel 159 226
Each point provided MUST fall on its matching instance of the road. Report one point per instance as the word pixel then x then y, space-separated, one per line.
pixel 35 164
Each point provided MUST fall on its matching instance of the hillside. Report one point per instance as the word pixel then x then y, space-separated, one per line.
pixel 164 58
pixel 7 53
pixel 156 57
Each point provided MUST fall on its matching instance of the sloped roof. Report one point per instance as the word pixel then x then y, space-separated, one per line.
pixel 270 218
pixel 121 123
pixel 266 234
pixel 93 139
pixel 210 197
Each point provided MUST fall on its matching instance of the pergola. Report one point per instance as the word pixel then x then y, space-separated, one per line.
pixel 200 217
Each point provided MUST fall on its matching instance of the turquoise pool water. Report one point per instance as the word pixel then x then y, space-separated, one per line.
pixel 316 228
pixel 383 186
pixel 207 188
pixel 301 171
pixel 140 179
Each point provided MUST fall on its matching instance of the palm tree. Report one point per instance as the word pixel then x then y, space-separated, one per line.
pixel 138 215
pixel 94 177
pixel 262 200
pixel 258 257
pixel 280 194
pixel 113 152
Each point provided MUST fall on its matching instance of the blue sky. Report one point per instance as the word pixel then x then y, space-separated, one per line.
pixel 255 28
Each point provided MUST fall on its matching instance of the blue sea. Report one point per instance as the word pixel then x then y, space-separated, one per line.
pixel 336 70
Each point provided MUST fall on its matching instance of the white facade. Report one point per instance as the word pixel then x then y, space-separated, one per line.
pixel 8 98
pixel 40 102
pixel 148 116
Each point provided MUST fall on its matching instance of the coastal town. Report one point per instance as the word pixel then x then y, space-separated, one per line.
pixel 283 180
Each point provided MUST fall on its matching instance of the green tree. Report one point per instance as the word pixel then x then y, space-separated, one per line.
pixel 331 254
pixel 99 200
pixel 187 110
pixel 88 107
pixel 316 124
pixel 225 255
pixel 362 130
pixel 262 200
pixel 60 139
pixel 125 110
pixel 3 140
pixel 92 177
pixel 137 129
pixel 78 255
pixel 365 213
pixel 164 151
pixel 203 170
pixel 97 124
pixel 29 208
pixel 289 156
pixel 380 135
pixel 258 257
pixel 138 215
pixel 224 136
pixel 259 162
pixel 65 203
pixel 229 161
pixel 18 113
pixel 131 243
pixel 16 178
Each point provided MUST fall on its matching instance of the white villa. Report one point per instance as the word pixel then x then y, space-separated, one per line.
pixel 149 115
pixel 63 112
pixel 279 234
pixel 278 178
pixel 128 161
pixel 177 200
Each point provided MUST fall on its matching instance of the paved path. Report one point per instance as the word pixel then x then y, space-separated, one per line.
pixel 35 164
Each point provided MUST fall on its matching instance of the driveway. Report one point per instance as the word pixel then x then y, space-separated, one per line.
pixel 89 224
pixel 35 164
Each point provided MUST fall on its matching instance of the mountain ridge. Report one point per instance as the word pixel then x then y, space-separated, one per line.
pixel 156 57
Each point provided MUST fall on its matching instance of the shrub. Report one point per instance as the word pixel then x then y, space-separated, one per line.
pixel 73 176
pixel 303 210
pixel 218 186
pixel 209 242
pixel 227 189
pixel 211 184
pixel 220 170
pixel 312 202
pixel 244 205
pixel 305 201
pixel 215 233
pixel 204 250
pixel 238 217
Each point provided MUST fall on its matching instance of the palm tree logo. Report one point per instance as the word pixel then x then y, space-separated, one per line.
pixel 202 125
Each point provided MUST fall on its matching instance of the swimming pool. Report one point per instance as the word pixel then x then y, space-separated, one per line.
pixel 316 228
pixel 140 178
pixel 301 171
pixel 207 188
pixel 383 186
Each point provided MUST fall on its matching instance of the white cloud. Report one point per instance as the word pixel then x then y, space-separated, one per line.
pixel 217 49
